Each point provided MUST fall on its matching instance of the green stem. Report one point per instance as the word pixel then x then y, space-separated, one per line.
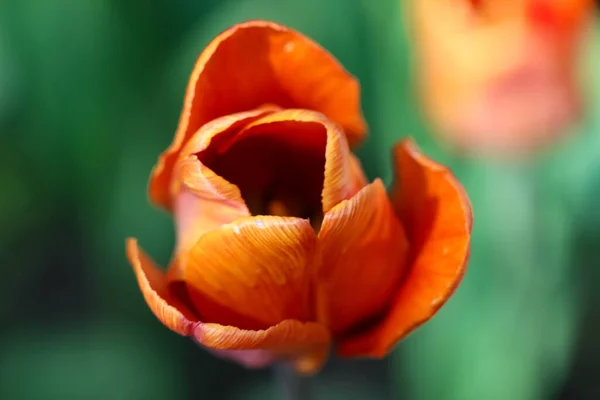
pixel 291 386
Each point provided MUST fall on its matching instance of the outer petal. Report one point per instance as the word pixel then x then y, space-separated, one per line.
pixel 364 251
pixel 436 214
pixel 153 284
pixel 258 63
pixel 343 174
pixel 302 342
pixel 305 343
pixel 252 273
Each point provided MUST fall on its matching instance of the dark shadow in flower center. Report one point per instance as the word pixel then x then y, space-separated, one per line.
pixel 279 167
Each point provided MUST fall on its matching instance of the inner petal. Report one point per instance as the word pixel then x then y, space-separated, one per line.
pixel 278 167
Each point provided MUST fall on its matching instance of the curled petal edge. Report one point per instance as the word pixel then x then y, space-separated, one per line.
pixel 274 43
pixel 363 241
pixel 344 176
pixel 437 215
pixel 305 344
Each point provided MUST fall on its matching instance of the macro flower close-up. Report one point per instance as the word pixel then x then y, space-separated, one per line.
pixel 283 247
pixel 300 200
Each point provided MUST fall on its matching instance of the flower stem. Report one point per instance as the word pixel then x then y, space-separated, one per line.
pixel 291 386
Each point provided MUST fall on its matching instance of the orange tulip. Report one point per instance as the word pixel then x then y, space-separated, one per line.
pixel 498 76
pixel 282 244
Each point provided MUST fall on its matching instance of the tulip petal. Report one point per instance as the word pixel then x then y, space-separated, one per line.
pixel 436 214
pixel 303 343
pixel 363 249
pixel 560 14
pixel 204 203
pixel 252 273
pixel 343 176
pixel 154 286
pixel 279 157
pixel 203 200
pixel 222 130
pixel 306 344
pixel 247 358
pixel 257 63
pixel 286 149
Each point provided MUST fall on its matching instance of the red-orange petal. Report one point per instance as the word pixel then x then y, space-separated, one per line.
pixel 436 214
pixel 154 286
pixel 363 249
pixel 560 13
pixel 252 273
pixel 257 63
pixel 203 201
pixel 344 176
pixel 222 129
pixel 306 344
pixel 303 343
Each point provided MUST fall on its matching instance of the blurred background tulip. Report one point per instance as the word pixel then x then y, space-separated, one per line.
pixel 90 93
pixel 499 77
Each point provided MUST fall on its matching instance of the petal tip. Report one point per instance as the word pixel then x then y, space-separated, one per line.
pixel 409 147
pixel 153 285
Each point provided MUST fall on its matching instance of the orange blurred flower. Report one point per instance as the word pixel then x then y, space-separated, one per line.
pixel 498 76
pixel 282 244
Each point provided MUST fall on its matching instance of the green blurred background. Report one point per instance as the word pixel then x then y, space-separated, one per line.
pixel 90 93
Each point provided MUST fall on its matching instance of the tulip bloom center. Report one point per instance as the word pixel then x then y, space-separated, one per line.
pixel 283 184
pixel 277 174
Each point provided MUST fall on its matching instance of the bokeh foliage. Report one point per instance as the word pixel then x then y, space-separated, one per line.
pixel 90 94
